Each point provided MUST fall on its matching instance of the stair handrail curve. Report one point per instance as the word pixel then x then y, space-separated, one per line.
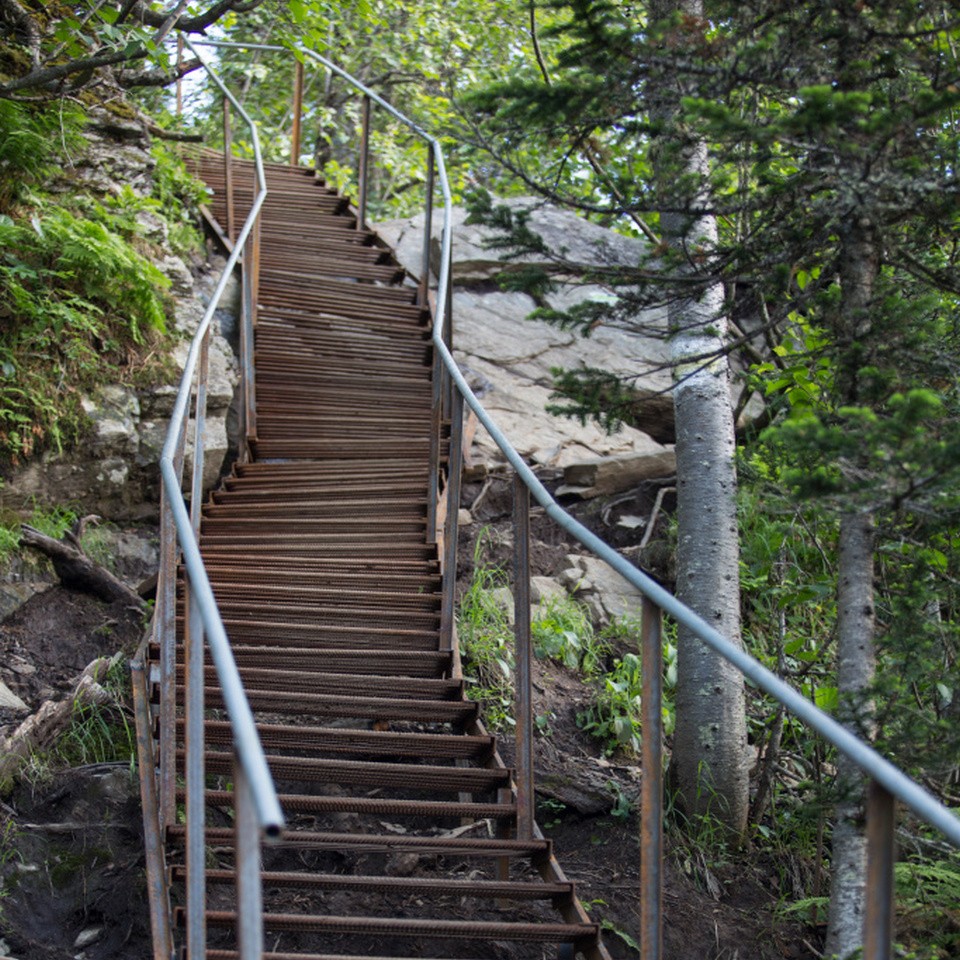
pixel 889 783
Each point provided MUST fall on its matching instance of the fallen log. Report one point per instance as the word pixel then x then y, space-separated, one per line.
pixel 76 570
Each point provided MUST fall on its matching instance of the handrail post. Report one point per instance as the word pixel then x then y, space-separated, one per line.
pixel 228 167
pixel 523 656
pixel 166 628
pixel 248 407
pixel 364 165
pixel 651 809
pixel 297 114
pixel 199 434
pixel 436 424
pixel 878 921
pixel 454 470
pixel 194 776
pixel 427 224
pixel 179 78
pixel 247 864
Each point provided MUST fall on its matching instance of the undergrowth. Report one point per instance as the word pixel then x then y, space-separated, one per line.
pixel 81 303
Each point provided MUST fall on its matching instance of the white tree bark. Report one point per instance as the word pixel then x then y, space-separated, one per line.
pixel 855 671
pixel 859 269
pixel 710 739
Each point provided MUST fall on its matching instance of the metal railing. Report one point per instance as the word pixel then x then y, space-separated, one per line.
pixel 451 391
pixel 258 815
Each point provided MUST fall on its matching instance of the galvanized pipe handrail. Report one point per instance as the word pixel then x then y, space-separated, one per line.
pixel 919 800
pixel 249 749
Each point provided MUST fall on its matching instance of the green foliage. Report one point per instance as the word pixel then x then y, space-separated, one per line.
pixel 80 300
pixel 31 140
pixel 486 642
pixel 562 631
pixel 100 733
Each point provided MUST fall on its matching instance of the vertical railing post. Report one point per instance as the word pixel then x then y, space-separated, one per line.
pixel 179 78
pixel 427 234
pixel 436 425
pixel 523 657
pixel 297 115
pixel 455 467
pixel 248 409
pixel 166 634
pixel 158 896
pixel 651 810
pixel 199 433
pixel 194 775
pixel 364 166
pixel 228 168
pixel 247 860
pixel 166 631
pixel 878 921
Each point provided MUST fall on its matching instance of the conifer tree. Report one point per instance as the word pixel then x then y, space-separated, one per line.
pixel 833 135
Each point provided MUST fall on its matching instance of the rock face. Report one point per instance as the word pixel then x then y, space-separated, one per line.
pixel 510 357
pixel 116 474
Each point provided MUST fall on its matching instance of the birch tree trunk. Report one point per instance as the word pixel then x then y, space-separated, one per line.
pixel 710 739
pixel 859 269
pixel 855 670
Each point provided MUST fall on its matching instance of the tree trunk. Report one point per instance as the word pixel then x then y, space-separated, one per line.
pixel 855 669
pixel 710 739
pixel 859 268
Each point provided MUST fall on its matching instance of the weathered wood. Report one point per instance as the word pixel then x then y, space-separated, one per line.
pixel 78 571
pixel 40 731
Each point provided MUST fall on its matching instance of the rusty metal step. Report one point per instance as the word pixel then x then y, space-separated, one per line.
pixel 407 663
pixel 538 851
pixel 513 890
pixel 326 705
pixel 433 810
pixel 327 636
pixel 318 505
pixel 402 927
pixel 338 740
pixel 224 589
pixel 349 684
pixel 367 773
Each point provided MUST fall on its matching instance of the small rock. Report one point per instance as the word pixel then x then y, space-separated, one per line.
pixel 87 937
pixel 10 701
pixel 464 517
pixel 402 864
pixel 545 589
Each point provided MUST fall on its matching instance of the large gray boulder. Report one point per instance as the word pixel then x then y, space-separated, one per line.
pixel 510 357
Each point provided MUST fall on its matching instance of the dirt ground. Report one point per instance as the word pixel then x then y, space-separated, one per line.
pixel 71 857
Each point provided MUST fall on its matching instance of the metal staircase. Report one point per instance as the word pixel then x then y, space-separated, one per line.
pixel 400 817
pixel 315 786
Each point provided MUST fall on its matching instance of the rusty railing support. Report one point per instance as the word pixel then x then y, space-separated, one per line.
pixel 228 169
pixel 424 290
pixel 452 493
pixel 297 114
pixel 523 658
pixel 193 775
pixel 878 921
pixel 364 166
pixel 651 802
